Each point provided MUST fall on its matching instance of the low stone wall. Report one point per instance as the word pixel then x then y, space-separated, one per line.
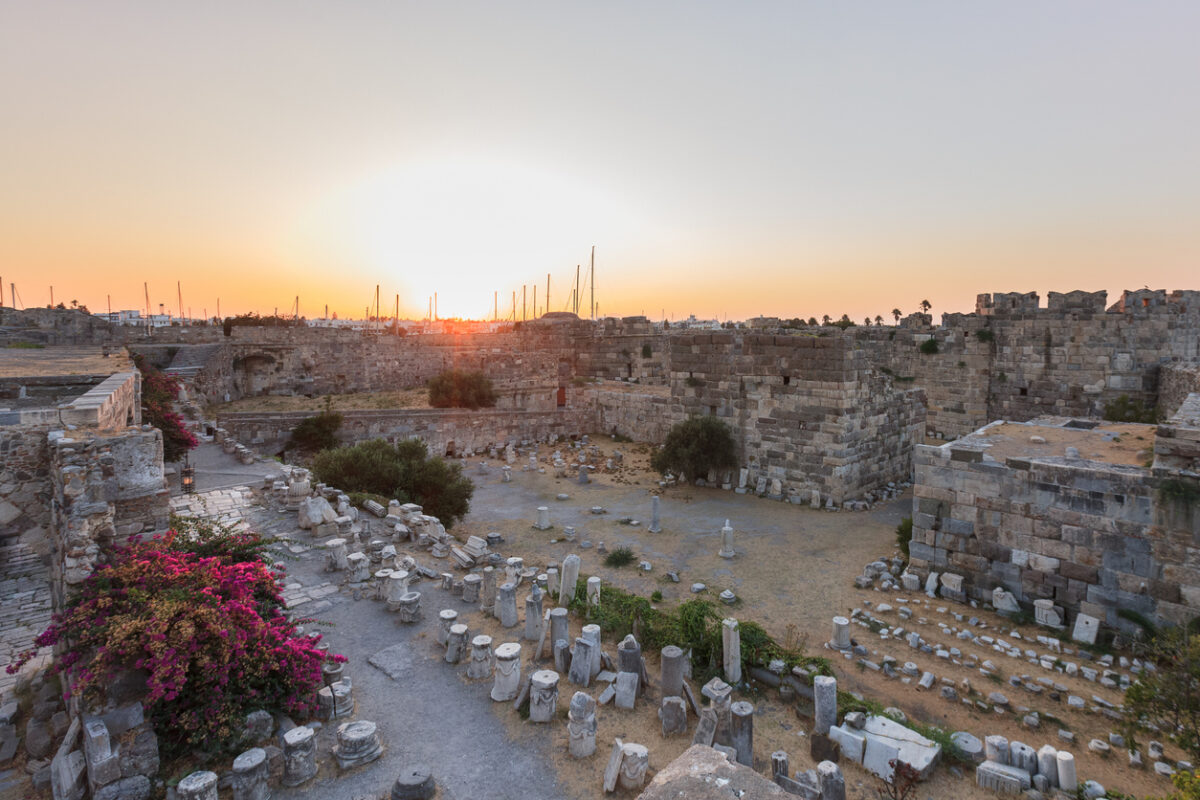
pixel 1094 537
pixel 113 404
pixel 445 431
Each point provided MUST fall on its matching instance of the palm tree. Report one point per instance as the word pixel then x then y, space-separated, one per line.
pixel 926 305
pixel 896 314
pixel 825 320
pixel 878 320
pixel 867 321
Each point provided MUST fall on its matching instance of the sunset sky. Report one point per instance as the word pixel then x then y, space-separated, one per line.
pixel 726 159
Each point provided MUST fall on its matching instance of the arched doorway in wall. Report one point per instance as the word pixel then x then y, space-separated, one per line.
pixel 252 374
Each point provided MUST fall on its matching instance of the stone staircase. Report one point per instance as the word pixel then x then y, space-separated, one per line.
pixel 191 358
pixel 25 587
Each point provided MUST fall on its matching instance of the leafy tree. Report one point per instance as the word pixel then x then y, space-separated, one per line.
pixel 812 321
pixel 845 322
pixel 405 472
pixel 826 319
pixel 1168 697
pixel 159 392
pixel 896 315
pixel 458 389
pixel 318 432
pixel 695 446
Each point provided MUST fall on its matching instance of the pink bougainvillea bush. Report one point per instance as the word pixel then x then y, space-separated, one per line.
pixel 159 393
pixel 208 631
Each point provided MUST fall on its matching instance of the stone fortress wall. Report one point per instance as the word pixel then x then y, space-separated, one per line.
pixel 815 409
pixel 809 412
pixel 1070 357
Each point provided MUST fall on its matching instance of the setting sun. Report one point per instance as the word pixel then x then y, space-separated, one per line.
pixel 466 228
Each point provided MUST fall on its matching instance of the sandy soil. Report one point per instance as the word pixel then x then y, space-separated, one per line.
pixel 1125 443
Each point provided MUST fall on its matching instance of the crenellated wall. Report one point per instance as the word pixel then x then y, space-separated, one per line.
pixel 1015 360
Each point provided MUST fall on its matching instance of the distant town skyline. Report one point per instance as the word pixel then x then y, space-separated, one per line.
pixel 726 161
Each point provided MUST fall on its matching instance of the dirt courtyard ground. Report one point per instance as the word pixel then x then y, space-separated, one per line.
pixel 794 566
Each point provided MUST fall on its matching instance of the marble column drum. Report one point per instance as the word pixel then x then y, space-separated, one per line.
pixel 581 725
pixel 299 756
pixel 507 675
pixel 250 771
pixel 471 584
pixel 481 658
pixel 456 643
pixel 543 695
pixel 198 786
pixel 446 618
pixel 408 608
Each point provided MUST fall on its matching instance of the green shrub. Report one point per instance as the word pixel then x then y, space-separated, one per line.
pixel 904 535
pixel 646 351
pixel 1125 410
pixel 159 393
pixel 316 433
pixel 929 346
pixel 693 381
pixel 458 389
pixel 694 625
pixel 695 446
pixel 405 472
pixel 620 557
pixel 985 335
pixel 656 596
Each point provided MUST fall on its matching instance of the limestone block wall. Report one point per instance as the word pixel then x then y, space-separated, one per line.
pixel 310 362
pixel 1177 441
pixel 1175 383
pixel 1094 537
pixel 113 404
pixel 1015 360
pixel 105 487
pixel 642 415
pixel 25 488
pixel 808 411
pixel 445 431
